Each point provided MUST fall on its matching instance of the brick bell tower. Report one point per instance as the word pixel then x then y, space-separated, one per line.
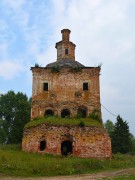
pixel 65 48
pixel 65 87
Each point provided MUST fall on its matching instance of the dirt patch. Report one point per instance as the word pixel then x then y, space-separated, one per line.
pixel 78 177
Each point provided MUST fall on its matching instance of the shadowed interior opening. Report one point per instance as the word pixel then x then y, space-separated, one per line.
pixel 65 113
pixel 82 112
pixel 42 145
pixel 66 148
pixel 49 112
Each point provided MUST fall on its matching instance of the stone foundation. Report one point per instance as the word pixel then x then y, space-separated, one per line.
pixel 90 142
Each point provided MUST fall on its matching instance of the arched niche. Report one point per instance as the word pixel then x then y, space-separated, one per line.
pixel 49 112
pixel 65 113
pixel 82 112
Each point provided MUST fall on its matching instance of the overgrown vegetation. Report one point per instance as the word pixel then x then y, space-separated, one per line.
pixel 55 69
pixel 37 65
pixel 82 124
pixel 76 69
pixel 53 120
pixel 94 115
pixel 14 162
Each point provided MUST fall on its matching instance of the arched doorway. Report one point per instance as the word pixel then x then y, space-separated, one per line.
pixel 82 112
pixel 66 148
pixel 49 112
pixel 65 113
pixel 42 145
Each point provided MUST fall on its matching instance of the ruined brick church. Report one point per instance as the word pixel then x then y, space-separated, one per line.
pixel 66 88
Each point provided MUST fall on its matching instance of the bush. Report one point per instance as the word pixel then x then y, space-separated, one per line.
pixel 37 65
pixel 79 115
pixel 76 69
pixel 81 124
pixel 55 69
pixel 94 115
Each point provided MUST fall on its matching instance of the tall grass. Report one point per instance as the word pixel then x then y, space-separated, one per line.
pixel 15 162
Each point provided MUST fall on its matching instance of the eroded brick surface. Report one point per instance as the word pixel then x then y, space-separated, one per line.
pixel 89 142
pixel 65 91
pixel 65 79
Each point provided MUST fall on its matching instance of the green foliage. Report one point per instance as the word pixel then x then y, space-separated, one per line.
pixel 14 114
pixel 8 147
pixel 76 69
pixel 14 162
pixel 133 144
pixel 2 131
pixel 52 120
pixel 79 115
pixel 94 115
pixel 37 65
pixel 82 124
pixel 55 69
pixel 100 65
pixel 121 137
pixel 109 126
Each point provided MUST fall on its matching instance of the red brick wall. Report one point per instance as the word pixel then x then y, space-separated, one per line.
pixel 63 87
pixel 91 142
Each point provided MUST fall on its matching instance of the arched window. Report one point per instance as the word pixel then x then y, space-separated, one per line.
pixel 42 145
pixel 82 112
pixel 66 148
pixel 49 112
pixel 66 51
pixel 65 113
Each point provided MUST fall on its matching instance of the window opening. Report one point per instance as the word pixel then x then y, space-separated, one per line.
pixel 82 112
pixel 42 145
pixel 66 51
pixel 45 86
pixel 65 113
pixel 85 86
pixel 49 112
pixel 66 148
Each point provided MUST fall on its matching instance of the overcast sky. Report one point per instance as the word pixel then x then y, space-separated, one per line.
pixel 103 31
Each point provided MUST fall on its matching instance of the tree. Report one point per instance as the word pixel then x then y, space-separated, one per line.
pixel 121 137
pixel 133 144
pixel 109 126
pixel 14 113
pixel 2 132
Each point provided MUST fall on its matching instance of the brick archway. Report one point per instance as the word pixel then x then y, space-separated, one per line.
pixel 66 148
pixel 49 112
pixel 82 111
pixel 65 113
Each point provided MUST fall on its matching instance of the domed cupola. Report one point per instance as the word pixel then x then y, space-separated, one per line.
pixel 65 52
